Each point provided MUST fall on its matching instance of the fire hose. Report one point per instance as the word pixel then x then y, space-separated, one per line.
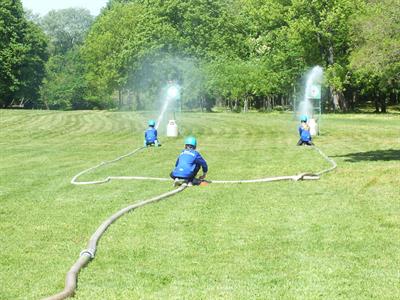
pixel 301 176
pixel 89 253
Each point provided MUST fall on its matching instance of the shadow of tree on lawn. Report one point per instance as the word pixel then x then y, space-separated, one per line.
pixel 376 155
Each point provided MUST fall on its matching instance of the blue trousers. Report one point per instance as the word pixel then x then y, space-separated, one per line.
pixel 188 178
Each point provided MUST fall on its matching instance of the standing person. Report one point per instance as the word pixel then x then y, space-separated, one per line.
pixel 188 164
pixel 304 132
pixel 150 135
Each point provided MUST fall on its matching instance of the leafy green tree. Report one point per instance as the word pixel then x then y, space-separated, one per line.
pixel 276 56
pixel 131 39
pixel 118 41
pixel 31 16
pixel 375 58
pixel 32 70
pixel 207 29
pixel 244 53
pixel 23 52
pixel 64 86
pixel 322 28
pixel 66 28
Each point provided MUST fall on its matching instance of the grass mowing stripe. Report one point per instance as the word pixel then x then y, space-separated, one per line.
pixel 333 239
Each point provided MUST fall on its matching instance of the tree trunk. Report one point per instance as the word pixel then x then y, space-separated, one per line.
pixel 334 94
pixel 343 102
pixel 207 105
pixel 383 103
pixel 294 98
pixel 394 98
pixel 119 98
pixel 129 101
pixel 245 105
pixel 376 101
pixel 138 102
pixel 335 99
pixel 353 101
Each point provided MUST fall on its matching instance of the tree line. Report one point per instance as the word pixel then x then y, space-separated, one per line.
pixel 239 54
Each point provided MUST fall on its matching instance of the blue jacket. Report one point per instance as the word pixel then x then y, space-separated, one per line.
pixel 304 132
pixel 150 135
pixel 189 163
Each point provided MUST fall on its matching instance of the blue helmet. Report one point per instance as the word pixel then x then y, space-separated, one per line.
pixel 303 118
pixel 191 141
pixel 152 123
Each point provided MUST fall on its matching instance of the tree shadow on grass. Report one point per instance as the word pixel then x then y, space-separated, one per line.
pixel 376 155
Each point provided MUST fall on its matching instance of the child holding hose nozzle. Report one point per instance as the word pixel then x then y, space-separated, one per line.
pixel 150 135
pixel 188 164
pixel 304 132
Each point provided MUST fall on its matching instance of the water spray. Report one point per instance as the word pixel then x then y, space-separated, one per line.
pixel 312 93
pixel 172 94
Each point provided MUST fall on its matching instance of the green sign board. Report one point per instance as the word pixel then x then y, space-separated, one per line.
pixel 314 92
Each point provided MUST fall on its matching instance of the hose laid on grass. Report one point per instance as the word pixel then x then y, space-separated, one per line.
pixel 73 180
pixel 89 253
pixel 327 158
pixel 302 176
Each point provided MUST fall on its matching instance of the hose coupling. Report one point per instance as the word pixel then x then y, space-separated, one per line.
pixel 88 252
pixel 298 177
pixel 303 175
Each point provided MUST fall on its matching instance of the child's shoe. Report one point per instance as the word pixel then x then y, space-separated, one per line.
pixel 177 182
pixel 196 181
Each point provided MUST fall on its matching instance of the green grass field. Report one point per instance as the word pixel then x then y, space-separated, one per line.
pixel 336 238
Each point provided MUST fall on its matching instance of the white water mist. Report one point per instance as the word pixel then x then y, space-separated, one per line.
pixel 163 110
pixel 313 77
pixel 170 95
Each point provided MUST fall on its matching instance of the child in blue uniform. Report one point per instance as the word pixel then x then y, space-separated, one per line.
pixel 188 164
pixel 150 135
pixel 304 132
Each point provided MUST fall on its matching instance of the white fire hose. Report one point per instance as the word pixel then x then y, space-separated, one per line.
pixel 301 176
pixel 89 253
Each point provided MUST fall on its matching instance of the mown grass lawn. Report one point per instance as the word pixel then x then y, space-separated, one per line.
pixel 336 238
